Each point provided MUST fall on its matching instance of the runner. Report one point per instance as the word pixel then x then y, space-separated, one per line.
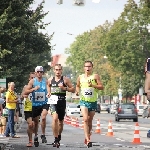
pixel 28 111
pixel 147 79
pixel 38 87
pixel 89 84
pixel 57 87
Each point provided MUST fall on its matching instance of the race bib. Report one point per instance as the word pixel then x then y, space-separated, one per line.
pixel 39 96
pixel 30 97
pixel 27 104
pixel 53 99
pixel 88 92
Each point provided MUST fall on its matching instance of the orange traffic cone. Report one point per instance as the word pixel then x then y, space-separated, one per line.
pixel 73 122
pixel 136 139
pixel 77 122
pixel 82 125
pixel 110 130
pixel 65 119
pixel 98 130
pixel 69 121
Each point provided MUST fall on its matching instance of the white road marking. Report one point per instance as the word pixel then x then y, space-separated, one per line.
pixel 119 140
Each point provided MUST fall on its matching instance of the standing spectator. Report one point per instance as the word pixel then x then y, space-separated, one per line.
pixel 11 100
pixel 2 119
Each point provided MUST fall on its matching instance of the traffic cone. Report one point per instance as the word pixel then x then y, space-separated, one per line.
pixel 65 119
pixel 69 121
pixel 77 122
pixel 82 125
pixel 98 130
pixel 73 122
pixel 136 139
pixel 110 130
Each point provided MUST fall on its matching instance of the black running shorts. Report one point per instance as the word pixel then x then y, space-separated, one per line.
pixel 27 114
pixel 37 110
pixel 59 108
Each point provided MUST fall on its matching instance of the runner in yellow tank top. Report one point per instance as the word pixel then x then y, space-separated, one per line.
pixel 27 103
pixel 88 85
pixel 28 111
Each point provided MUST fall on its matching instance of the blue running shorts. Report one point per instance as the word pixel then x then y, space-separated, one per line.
pixel 90 105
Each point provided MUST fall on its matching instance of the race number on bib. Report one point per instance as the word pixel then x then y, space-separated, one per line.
pixel 39 96
pixel 88 92
pixel 53 99
pixel 30 97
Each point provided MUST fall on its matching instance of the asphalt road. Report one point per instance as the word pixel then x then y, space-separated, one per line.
pixel 73 137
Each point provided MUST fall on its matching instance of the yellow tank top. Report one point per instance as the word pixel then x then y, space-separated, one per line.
pixel 28 103
pixel 88 93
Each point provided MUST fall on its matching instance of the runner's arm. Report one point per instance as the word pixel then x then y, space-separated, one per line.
pixel 78 85
pixel 147 80
pixel 99 85
pixel 22 94
pixel 49 86
pixel 147 83
pixel 29 88
pixel 70 87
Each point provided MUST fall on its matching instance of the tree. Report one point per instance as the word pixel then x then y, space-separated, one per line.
pixel 126 42
pixel 124 45
pixel 20 37
pixel 88 47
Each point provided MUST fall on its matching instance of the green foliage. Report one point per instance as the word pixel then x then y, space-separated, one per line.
pixel 23 46
pixel 126 43
pixel 88 47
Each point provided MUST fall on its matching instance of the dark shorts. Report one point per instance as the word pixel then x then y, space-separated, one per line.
pixel 27 114
pixel 147 68
pixel 37 110
pixel 59 108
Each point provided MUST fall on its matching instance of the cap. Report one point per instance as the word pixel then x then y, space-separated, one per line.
pixel 39 68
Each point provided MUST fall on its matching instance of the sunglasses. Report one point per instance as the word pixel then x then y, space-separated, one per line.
pixel 39 71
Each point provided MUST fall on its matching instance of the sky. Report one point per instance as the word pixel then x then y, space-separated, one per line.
pixel 68 21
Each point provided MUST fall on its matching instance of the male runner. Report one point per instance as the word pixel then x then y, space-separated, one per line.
pixel 28 110
pixel 39 102
pixel 89 84
pixel 147 78
pixel 57 86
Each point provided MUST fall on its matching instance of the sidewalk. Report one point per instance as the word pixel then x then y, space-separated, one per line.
pixel 20 143
pixel 4 141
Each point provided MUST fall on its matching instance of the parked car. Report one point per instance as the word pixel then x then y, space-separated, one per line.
pixel 104 107
pixel 108 108
pixel 140 109
pixel 98 109
pixel 145 112
pixel 73 109
pixel 126 111
pixel 113 108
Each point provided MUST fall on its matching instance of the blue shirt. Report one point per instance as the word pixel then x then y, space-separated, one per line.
pixel 39 96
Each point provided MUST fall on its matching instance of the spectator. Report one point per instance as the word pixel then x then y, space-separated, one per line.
pixel 2 119
pixel 11 100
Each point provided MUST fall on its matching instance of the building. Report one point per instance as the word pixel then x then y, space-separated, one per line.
pixel 59 59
